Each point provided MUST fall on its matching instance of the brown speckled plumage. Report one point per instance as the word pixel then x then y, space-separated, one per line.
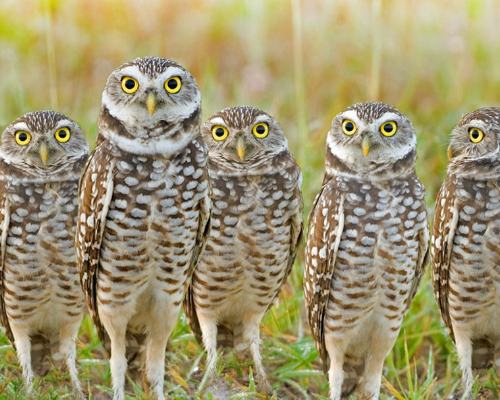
pixel 144 215
pixel 41 303
pixel 465 244
pixel 256 230
pixel 366 248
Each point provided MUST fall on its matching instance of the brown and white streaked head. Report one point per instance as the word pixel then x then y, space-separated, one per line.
pixel 242 137
pixel 44 145
pixel 150 105
pixel 372 139
pixel 474 145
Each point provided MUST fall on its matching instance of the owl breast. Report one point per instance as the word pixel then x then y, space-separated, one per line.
pixel 249 247
pixel 377 258
pixel 151 231
pixel 474 293
pixel 41 276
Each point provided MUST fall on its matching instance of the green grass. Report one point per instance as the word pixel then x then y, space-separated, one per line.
pixel 303 62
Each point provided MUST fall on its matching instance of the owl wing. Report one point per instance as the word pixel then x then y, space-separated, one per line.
pixel 4 229
pixel 326 224
pixel 445 225
pixel 95 194
pixel 201 242
pixel 423 253
pixel 297 229
pixel 204 226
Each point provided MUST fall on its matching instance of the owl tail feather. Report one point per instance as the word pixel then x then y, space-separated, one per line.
pixel 483 354
pixel 134 345
pixel 233 339
pixel 41 350
pixel 353 370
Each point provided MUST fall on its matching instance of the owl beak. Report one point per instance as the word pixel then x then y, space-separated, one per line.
pixel 151 103
pixel 449 153
pixel 240 147
pixel 365 145
pixel 44 153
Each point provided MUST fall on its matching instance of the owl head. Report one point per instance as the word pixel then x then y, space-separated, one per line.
pixel 369 138
pixel 476 135
pixel 150 105
pixel 43 142
pixel 243 136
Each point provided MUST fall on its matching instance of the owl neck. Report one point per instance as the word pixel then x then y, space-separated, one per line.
pixel 265 165
pixel 480 169
pixel 392 169
pixel 164 138
pixel 27 172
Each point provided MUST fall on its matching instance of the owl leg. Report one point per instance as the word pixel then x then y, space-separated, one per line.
pixel 208 326
pixel 336 352
pixel 116 327
pixel 380 349
pixel 156 345
pixel 464 350
pixel 252 336
pixel 23 346
pixel 67 348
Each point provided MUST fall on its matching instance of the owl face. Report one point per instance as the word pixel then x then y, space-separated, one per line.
pixel 43 141
pixel 150 95
pixel 476 134
pixel 371 134
pixel 243 135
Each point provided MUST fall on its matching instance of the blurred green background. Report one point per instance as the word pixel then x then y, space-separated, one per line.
pixel 301 61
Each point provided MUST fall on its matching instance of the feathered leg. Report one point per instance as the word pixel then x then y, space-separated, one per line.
pixel 208 327
pixel 251 335
pixel 464 350
pixel 336 353
pixel 156 345
pixel 380 349
pixel 67 337
pixel 116 327
pixel 23 347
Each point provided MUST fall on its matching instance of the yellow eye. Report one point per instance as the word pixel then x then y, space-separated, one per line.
pixel 129 85
pixel 173 85
pixel 23 138
pixel 388 129
pixel 62 135
pixel 219 132
pixel 476 135
pixel 260 130
pixel 349 127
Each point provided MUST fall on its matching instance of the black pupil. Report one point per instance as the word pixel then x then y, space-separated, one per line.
pixel 62 134
pixel 219 132
pixel 172 84
pixel 129 84
pixel 475 134
pixel 23 137
pixel 260 129
pixel 349 126
pixel 388 128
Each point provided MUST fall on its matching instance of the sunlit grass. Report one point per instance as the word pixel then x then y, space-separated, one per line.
pixel 303 62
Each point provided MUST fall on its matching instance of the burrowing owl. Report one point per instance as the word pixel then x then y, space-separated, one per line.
pixel 466 242
pixel 367 245
pixel 256 230
pixel 144 212
pixel 41 303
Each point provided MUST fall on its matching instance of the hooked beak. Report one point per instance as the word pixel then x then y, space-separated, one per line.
pixel 449 153
pixel 44 153
pixel 151 103
pixel 365 145
pixel 240 147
